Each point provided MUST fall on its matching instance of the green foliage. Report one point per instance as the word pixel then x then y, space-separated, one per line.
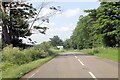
pixel 56 41
pixel 82 36
pixel 15 21
pixel 107 19
pixel 108 52
pixel 19 18
pixel 67 44
pixel 99 28
pixel 6 65
pixel 17 56
pixel 14 56
pixel 46 47
pixel 20 70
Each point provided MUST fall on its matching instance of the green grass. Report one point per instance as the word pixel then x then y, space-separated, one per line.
pixel 18 71
pixel 110 53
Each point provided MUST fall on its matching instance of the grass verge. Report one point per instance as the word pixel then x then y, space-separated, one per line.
pixel 110 53
pixel 18 71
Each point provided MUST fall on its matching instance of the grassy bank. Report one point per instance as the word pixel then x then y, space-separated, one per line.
pixel 17 71
pixel 17 61
pixel 110 53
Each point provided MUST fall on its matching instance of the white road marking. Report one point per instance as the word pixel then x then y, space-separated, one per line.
pixel 37 71
pixel 80 62
pixel 33 75
pixel 75 56
pixel 93 76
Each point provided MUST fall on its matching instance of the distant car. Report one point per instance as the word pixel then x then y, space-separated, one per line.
pixel 60 47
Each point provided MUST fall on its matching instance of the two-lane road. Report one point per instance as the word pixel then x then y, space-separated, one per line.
pixel 76 65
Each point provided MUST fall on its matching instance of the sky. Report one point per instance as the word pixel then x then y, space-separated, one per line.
pixel 62 24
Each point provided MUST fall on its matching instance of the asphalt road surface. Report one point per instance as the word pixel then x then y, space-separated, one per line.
pixel 76 65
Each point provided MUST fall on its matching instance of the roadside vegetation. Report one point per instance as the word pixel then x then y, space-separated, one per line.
pixel 100 28
pixel 18 18
pixel 96 33
pixel 108 52
pixel 20 61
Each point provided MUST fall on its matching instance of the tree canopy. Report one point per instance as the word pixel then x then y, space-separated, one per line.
pixel 18 20
pixel 101 27
pixel 56 41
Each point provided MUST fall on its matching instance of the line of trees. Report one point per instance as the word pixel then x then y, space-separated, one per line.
pixel 101 27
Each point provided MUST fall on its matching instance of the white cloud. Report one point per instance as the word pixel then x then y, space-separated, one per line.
pixel 72 12
pixel 69 13
pixel 64 32
pixel 68 27
pixel 63 0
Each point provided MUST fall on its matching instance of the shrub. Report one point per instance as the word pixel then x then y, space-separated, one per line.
pixel 6 65
pixel 91 53
pixel 95 51
pixel 17 56
pixel 9 53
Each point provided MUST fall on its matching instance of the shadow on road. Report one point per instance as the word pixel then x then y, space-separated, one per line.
pixel 75 54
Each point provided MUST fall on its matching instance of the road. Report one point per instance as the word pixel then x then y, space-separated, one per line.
pixel 76 65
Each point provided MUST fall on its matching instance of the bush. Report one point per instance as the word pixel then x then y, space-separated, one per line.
pixel 95 51
pixel 91 53
pixel 6 65
pixel 17 56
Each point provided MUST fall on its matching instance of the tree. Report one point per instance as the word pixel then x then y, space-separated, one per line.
pixel 56 41
pixel 100 27
pixel 67 44
pixel 16 19
pixel 81 37
pixel 107 18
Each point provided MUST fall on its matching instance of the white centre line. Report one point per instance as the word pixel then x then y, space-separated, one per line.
pixel 93 76
pixel 80 62
pixel 75 56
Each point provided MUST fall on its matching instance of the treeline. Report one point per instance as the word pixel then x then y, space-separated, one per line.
pixel 101 27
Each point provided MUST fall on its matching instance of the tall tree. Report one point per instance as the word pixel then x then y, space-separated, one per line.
pixel 67 44
pixel 101 27
pixel 107 18
pixel 16 19
pixel 81 37
pixel 56 41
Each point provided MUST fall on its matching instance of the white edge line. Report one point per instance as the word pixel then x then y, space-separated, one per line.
pixel 80 62
pixel 33 75
pixel 92 75
pixel 36 72
pixel 75 56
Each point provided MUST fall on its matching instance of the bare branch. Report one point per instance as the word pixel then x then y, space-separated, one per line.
pixel 41 7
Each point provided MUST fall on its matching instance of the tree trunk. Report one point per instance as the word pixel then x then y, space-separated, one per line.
pixel 5 34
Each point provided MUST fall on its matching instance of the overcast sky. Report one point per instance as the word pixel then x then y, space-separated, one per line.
pixel 63 24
